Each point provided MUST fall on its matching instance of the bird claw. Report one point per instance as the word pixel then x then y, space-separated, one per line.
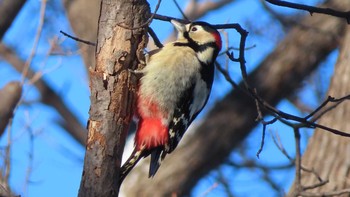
pixel 136 72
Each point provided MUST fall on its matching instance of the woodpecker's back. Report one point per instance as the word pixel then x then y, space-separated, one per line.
pixel 174 88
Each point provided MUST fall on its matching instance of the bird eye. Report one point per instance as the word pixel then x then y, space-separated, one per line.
pixel 194 29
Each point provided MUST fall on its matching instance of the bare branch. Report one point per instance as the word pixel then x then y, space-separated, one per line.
pixel 301 51
pixel 78 39
pixel 36 40
pixel 10 96
pixel 9 10
pixel 297 160
pixel 48 96
pixel 322 147
pixel 155 38
pixel 286 21
pixel 312 9
pixel 179 8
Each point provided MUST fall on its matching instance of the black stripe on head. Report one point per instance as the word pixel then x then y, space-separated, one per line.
pixel 191 43
pixel 211 29
pixel 195 46
pixel 186 35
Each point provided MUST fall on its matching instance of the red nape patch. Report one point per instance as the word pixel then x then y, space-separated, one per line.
pixel 151 133
pixel 217 39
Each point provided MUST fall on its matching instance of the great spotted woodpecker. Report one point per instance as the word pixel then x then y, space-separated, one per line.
pixel 174 88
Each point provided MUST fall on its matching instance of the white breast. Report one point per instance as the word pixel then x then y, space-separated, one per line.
pixel 167 76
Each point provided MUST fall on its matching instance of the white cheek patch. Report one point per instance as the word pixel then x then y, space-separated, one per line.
pixel 206 56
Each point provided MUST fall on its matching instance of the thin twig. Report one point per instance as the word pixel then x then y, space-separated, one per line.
pixel 280 147
pixel 78 39
pixel 319 107
pixel 297 160
pixel 30 156
pixel 286 21
pixel 335 102
pixel 36 40
pixel 272 182
pixel 169 18
pixel 312 9
pixel 275 112
pixel 262 142
pixel 155 38
pixel 304 188
pixel 221 179
pixel 179 8
pixel 312 171
pixel 207 191
pixel 250 163
pixel 226 75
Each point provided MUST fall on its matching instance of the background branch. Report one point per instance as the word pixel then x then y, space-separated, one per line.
pixel 9 10
pixel 276 77
pixel 10 96
pixel 320 154
pixel 48 97
pixel 312 9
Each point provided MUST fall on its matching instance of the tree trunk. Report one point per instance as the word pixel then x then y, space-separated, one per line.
pixel 233 118
pixel 112 93
pixel 327 154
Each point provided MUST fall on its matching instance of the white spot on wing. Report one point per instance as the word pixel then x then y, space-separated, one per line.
pixel 171 133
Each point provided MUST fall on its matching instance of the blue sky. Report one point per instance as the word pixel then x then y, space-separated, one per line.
pixel 58 159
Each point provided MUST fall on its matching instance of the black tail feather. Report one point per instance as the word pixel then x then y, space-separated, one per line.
pixel 157 156
pixel 135 156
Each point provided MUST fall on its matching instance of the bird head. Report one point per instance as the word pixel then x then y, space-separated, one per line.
pixel 200 33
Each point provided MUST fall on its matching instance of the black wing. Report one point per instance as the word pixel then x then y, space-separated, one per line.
pixel 181 118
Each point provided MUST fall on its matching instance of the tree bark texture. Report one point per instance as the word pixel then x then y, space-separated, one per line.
pixel 112 93
pixel 233 118
pixel 328 154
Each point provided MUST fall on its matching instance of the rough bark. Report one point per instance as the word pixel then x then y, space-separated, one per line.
pixel 9 10
pixel 9 98
pixel 233 118
pixel 326 153
pixel 48 97
pixel 112 93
